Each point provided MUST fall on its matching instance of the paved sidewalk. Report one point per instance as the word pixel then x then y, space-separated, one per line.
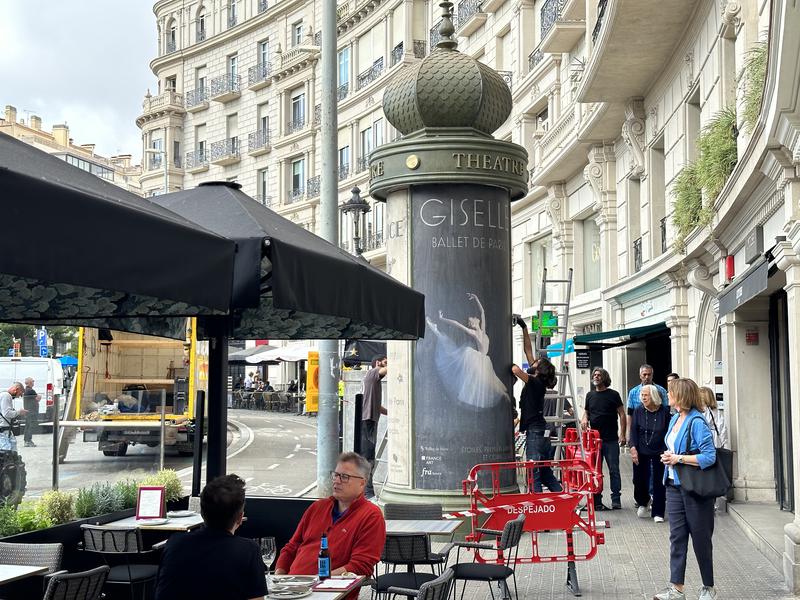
pixel 634 562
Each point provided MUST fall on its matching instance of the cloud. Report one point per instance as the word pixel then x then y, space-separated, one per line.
pixel 84 62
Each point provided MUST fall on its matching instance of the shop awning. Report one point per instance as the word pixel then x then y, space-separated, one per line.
pixel 745 287
pixel 632 334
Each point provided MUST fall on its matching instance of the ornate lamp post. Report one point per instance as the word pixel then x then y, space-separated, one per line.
pixel 356 206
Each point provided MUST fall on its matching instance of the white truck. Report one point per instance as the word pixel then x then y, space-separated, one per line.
pixel 48 376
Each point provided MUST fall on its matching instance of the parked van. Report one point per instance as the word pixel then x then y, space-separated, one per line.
pixel 48 379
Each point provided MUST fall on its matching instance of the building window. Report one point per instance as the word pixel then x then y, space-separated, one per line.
pixel 232 13
pixel 297 33
pixel 233 66
pixel 171 84
pixel 344 162
pixel 263 52
pixel 538 257
pixel 200 79
pixel 344 66
pixel 298 176
pixel 591 255
pixel 262 194
pixel 263 117
pixel 201 27
pixel 299 108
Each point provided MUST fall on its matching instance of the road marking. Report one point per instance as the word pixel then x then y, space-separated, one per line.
pixel 269 468
pixel 187 472
pixel 297 437
pixel 296 447
pixel 249 479
pixel 290 455
pixel 305 490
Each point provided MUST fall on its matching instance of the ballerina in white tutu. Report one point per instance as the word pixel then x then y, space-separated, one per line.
pixel 467 373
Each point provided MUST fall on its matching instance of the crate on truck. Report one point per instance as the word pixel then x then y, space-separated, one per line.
pixel 122 381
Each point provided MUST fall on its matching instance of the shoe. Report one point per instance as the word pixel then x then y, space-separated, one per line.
pixel 658 519
pixel 707 593
pixel 670 594
pixel 600 507
pixel 616 505
pixel 641 512
pixel 30 445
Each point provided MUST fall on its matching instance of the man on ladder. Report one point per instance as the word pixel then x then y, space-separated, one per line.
pixel 371 411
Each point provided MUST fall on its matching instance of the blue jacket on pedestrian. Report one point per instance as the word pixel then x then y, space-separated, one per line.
pixel 702 440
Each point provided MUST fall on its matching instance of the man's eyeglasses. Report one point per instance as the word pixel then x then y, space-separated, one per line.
pixel 343 477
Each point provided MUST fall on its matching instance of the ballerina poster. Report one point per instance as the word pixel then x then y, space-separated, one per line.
pixel 462 380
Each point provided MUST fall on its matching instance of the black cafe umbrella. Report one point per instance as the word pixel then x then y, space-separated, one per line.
pixel 129 263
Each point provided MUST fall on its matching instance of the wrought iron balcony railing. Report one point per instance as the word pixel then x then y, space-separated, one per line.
pixel 318 38
pixel 257 140
pixel 232 19
pixel 342 91
pixel 664 234
pixel 265 200
pixel 371 74
pixel 295 195
pixel 312 187
pixel 171 46
pixel 200 35
pixel 637 255
pixel 224 84
pixel 198 158
pixel 435 35
pixel 154 162
pixel 362 163
pixel 397 54
pixel 534 58
pixel 259 73
pixel 550 13
pixel 373 241
pixel 228 148
pixel 196 97
pixel 344 171
pixel 601 11
pixel 507 77
pixel 262 6
pixel 420 48
pixel 466 10
pixel 295 125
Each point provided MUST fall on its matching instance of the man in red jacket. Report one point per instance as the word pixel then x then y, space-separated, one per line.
pixel 355 527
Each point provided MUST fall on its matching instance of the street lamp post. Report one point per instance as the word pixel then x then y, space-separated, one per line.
pixel 163 153
pixel 356 207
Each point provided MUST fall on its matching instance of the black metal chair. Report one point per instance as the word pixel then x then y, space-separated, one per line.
pixel 420 511
pixel 436 589
pixel 125 544
pixel 507 542
pixel 86 585
pixel 403 549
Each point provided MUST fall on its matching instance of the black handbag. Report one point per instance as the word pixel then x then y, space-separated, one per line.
pixel 13 426
pixel 712 482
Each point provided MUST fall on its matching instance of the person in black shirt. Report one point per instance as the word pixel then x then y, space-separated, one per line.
pixel 30 400
pixel 531 405
pixel 603 408
pixel 648 432
pixel 211 562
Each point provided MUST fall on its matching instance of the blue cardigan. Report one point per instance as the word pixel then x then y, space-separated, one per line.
pixel 701 439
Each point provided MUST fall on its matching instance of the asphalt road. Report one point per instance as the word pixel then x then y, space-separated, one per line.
pixel 274 452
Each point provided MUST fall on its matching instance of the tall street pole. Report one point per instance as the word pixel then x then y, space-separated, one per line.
pixel 328 415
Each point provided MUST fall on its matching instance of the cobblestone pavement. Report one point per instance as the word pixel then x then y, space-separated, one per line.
pixel 634 562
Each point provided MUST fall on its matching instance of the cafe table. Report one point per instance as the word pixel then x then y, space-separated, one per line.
pixel 172 524
pixel 428 526
pixel 320 594
pixel 9 573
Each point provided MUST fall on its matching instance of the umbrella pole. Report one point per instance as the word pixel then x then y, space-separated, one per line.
pixel 217 400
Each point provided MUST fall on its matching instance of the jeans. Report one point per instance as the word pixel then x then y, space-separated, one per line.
pixel 369 439
pixel 610 450
pixel 647 475
pixel 537 447
pixel 690 515
pixel 8 441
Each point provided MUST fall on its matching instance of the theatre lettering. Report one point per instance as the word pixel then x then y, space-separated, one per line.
pixel 489 162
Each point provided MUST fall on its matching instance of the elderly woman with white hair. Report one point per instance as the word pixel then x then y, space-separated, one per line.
pixel 648 429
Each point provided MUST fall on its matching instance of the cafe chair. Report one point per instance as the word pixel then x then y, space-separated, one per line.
pixel 86 585
pixel 407 549
pixel 122 545
pixel 436 589
pixel 507 542
pixel 428 511
pixel 32 555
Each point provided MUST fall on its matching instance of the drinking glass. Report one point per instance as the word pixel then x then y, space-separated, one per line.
pixel 268 550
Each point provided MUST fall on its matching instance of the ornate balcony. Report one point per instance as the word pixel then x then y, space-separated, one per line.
pixel 225 152
pixel 534 58
pixel 293 60
pixel 312 187
pixel 435 36
pixel 157 106
pixel 362 164
pixel 265 200
pixel 295 125
pixel 550 11
pixel 318 38
pixel 196 100
pixel 507 77
pixel 200 35
pixel 637 255
pixel 262 6
pixel 232 20
pixel 374 241
pixel 295 195
pixel 258 142
pixel 601 12
pixel 225 88
pixel 562 33
pixel 171 46
pixel 259 76
pixel 344 172
pixel 469 17
pixel 397 54
pixel 342 91
pixel 197 161
pixel 342 11
pixel 370 75
pixel 420 48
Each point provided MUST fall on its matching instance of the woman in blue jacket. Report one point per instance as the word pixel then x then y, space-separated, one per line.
pixel 688 515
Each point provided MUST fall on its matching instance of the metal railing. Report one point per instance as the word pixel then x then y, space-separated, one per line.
pixel 154 162
pixel 295 195
pixel 196 97
pixel 225 148
pixel 265 200
pixel 259 73
pixel 231 20
pixel 258 139
pixel 224 84
pixel 312 187
pixel 373 241
pixel 637 255
pixel 397 54
pixel 371 74
pixel 420 48
pixel 534 58
pixel 198 158
pixel 342 91
pixel 318 38
pixel 663 234
pixel 200 35
pixel 362 163
pixel 507 76
pixel 466 10
pixel 262 6
pixel 601 11
pixel 344 171
pixel 295 125
pixel 435 36
pixel 550 13
pixel 171 46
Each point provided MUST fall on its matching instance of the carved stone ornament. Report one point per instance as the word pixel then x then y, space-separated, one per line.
pixel 633 130
pixel 654 120
pixel 731 12
pixel 555 205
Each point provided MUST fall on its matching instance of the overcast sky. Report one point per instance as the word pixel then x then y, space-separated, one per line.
pixel 83 62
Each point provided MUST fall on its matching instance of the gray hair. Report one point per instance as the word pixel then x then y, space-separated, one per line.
pixel 645 366
pixel 27 379
pixel 362 464
pixel 655 395
pixel 17 384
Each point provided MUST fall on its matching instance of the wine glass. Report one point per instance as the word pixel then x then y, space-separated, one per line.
pixel 268 550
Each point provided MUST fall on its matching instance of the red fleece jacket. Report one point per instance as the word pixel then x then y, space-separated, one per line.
pixel 355 542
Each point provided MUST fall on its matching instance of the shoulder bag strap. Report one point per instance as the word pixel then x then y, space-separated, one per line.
pixel 689 434
pixel 713 421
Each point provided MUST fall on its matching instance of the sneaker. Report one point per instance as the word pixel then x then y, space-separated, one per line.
pixel 616 505
pixel 707 593
pixel 670 593
pixel 30 445
pixel 658 519
pixel 641 512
